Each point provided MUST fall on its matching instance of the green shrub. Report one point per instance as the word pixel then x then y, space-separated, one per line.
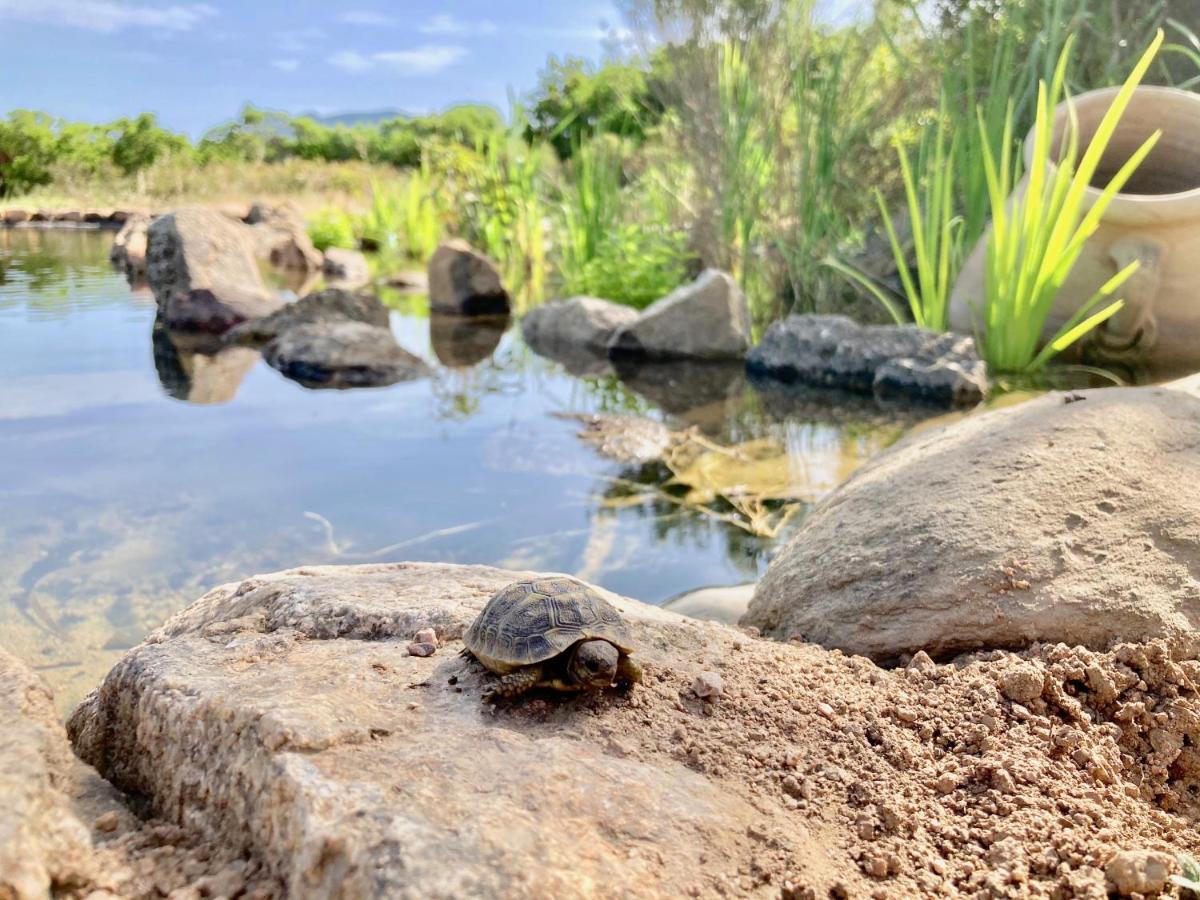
pixel 635 266
pixel 331 227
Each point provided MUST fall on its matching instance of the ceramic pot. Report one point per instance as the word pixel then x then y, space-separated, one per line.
pixel 1155 220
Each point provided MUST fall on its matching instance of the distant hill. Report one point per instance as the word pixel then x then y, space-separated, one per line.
pixel 357 118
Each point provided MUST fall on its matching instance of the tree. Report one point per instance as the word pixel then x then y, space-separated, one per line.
pixel 27 150
pixel 139 142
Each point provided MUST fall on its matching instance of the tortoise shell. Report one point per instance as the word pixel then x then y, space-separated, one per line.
pixel 529 622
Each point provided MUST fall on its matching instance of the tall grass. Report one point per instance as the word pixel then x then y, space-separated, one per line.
pixel 590 210
pixel 747 145
pixel 1037 237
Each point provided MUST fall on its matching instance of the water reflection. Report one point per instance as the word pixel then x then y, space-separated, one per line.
pixel 461 342
pixel 197 368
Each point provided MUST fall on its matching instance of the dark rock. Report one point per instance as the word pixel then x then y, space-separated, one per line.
pixel 885 360
pixel 202 310
pixel 462 281
pixel 329 305
pixel 342 354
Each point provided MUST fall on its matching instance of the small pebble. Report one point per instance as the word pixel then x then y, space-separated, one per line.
pixel 426 636
pixel 708 686
pixel 1139 872
pixel 825 709
pixel 922 662
pixel 107 822
pixel 420 648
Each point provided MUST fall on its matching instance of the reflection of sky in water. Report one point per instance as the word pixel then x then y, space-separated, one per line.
pixel 122 504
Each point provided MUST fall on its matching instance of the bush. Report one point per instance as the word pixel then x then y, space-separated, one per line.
pixel 635 266
pixel 331 227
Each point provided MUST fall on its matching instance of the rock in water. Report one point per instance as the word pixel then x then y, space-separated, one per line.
pixel 462 281
pixel 886 360
pixel 329 305
pixel 579 324
pixel 1049 521
pixel 708 319
pixel 44 848
pixel 342 354
pixel 281 238
pixel 347 268
pixel 200 265
pixel 129 246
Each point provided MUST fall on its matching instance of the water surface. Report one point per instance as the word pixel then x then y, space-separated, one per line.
pixel 135 475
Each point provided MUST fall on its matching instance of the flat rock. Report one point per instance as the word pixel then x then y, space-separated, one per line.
pixel 346 268
pixel 342 354
pixel 885 360
pixel 463 281
pixel 329 305
pixel 200 257
pixel 563 327
pixel 284 718
pixel 708 319
pixel 1069 518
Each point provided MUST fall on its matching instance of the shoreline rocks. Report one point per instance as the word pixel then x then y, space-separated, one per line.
pixel 463 281
pixel 564 328
pixel 1072 518
pixel 707 320
pixel 884 360
pixel 329 305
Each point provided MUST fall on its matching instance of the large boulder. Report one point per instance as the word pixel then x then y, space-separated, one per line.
pixel 575 325
pixel 329 305
pixel 1073 517
pixel 342 354
pixel 285 717
pixel 462 281
pixel 885 360
pixel 708 319
pixel 345 268
pixel 44 848
pixel 200 258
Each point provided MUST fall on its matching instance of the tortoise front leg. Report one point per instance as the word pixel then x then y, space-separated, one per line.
pixel 629 672
pixel 514 683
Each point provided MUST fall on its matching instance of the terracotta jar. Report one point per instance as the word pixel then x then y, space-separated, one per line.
pixel 1155 220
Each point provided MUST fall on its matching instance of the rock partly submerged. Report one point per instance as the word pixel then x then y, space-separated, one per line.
pixel 577 324
pixel 1069 518
pixel 346 268
pixel 885 360
pixel 286 718
pixel 463 281
pixel 708 319
pixel 201 267
pixel 329 305
pixel 342 354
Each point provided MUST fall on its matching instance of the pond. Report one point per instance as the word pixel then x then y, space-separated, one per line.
pixel 137 475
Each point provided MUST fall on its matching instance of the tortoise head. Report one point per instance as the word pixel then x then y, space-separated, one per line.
pixel 594 663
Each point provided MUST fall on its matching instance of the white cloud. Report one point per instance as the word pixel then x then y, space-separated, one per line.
pixel 106 15
pixel 447 24
pixel 295 40
pixel 286 65
pixel 423 60
pixel 365 17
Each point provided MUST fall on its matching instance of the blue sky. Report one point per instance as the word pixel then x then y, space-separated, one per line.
pixel 195 64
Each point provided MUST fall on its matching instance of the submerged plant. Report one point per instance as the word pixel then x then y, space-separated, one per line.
pixel 1038 236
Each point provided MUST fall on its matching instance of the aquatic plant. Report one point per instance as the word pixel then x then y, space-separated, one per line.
pixel 591 206
pixel 331 227
pixel 636 264
pixel 1038 236
pixel 937 233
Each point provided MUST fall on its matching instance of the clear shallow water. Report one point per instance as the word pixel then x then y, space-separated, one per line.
pixel 134 475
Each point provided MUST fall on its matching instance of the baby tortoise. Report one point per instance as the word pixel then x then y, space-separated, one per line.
pixel 551 633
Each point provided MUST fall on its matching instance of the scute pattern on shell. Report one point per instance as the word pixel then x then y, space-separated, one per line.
pixel 532 621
